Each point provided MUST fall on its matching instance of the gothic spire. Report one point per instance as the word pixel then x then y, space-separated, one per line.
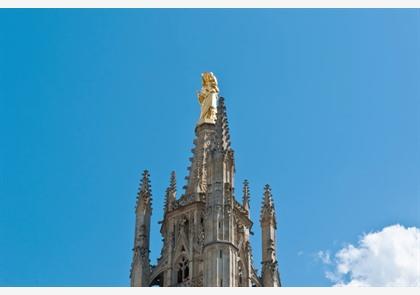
pixel 172 184
pixel 246 195
pixel 144 196
pixel 267 209
pixel 222 128
pixel 140 267
pixel 170 193
pixel 270 273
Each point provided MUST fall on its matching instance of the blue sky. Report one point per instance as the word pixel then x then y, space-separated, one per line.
pixel 323 105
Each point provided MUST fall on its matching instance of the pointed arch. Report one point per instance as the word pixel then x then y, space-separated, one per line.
pixel 182 269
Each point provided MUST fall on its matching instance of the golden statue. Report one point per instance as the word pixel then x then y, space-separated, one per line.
pixel 208 98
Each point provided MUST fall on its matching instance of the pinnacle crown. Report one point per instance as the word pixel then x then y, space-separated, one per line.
pixel 170 196
pixel 145 192
pixel 267 208
pixel 222 127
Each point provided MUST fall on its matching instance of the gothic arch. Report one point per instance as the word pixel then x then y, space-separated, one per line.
pixel 182 270
pixel 181 247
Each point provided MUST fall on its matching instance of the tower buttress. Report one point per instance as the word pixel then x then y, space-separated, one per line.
pixel 270 274
pixel 140 267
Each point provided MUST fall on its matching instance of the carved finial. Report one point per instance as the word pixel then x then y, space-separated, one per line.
pixel 246 195
pixel 172 185
pixel 144 196
pixel 171 193
pixel 208 98
pixel 267 208
pixel 222 141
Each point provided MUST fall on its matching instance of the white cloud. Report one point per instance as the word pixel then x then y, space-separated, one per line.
pixel 390 257
pixel 325 256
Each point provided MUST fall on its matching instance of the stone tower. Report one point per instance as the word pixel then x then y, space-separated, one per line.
pixel 206 231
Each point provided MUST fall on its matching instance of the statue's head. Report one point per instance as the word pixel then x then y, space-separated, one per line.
pixel 209 81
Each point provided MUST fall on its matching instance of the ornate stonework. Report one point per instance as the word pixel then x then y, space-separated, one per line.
pixel 205 231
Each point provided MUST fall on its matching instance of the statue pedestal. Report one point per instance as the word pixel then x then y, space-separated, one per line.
pixel 205 121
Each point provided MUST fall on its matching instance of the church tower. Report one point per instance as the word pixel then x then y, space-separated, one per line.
pixel 206 231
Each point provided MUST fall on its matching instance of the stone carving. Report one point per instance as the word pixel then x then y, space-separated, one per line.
pixel 208 98
pixel 170 197
pixel 200 234
pixel 143 252
pixel 246 195
pixel 267 208
pixel 197 180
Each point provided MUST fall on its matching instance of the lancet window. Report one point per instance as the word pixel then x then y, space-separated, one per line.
pixel 183 272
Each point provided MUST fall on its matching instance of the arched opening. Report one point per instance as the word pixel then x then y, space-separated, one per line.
pixel 183 270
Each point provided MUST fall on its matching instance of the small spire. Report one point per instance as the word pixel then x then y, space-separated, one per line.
pixel 172 185
pixel 222 127
pixel 145 192
pixel 170 193
pixel 246 195
pixel 267 208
